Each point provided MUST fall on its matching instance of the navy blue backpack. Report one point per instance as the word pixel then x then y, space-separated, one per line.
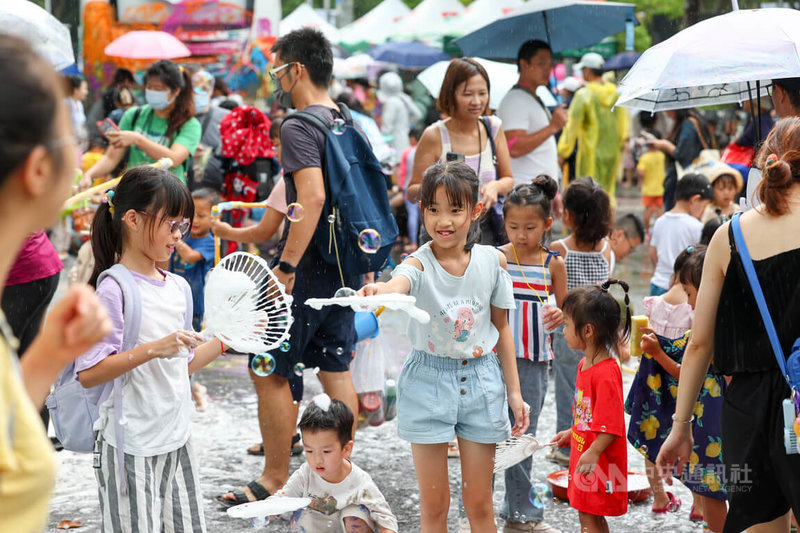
pixel 356 208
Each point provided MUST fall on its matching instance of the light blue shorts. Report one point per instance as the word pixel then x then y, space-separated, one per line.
pixel 439 398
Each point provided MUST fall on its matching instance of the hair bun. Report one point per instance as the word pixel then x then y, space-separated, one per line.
pixel 547 184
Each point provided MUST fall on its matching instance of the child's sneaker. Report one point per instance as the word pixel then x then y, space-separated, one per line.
pixel 530 527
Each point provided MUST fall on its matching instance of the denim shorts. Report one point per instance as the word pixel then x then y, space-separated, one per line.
pixel 439 398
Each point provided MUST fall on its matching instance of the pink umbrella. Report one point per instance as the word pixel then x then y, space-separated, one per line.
pixel 147 45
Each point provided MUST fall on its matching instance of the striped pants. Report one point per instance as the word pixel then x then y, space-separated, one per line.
pixel 163 492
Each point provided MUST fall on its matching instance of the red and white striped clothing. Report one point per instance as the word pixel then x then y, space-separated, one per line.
pixel 530 338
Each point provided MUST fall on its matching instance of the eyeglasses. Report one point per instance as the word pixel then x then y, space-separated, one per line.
pixel 181 225
pixel 273 72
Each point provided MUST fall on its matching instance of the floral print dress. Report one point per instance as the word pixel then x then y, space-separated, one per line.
pixel 651 404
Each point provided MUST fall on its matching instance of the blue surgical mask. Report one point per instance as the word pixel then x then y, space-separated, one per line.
pixel 201 101
pixel 158 100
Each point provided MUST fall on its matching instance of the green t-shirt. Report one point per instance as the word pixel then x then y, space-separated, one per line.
pixel 155 128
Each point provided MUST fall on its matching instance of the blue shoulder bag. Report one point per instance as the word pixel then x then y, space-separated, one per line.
pixel 790 367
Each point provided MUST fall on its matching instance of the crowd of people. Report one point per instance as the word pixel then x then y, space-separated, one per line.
pixel 511 308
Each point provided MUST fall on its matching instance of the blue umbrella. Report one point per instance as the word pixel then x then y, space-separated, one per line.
pixel 408 54
pixel 565 24
pixel 622 61
pixel 71 70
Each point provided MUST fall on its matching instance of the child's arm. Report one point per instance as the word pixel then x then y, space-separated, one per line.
pixel 652 347
pixel 654 256
pixel 398 284
pixel 117 364
pixel 562 438
pixel 187 253
pixel 558 277
pixel 588 459
pixel 260 232
pixel 205 353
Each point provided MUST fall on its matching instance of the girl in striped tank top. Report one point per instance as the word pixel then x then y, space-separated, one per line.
pixel 536 273
pixel 587 255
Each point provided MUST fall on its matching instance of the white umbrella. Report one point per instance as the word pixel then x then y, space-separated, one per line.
pixel 712 62
pixel 357 66
pixel 427 21
pixel 305 16
pixel 374 22
pixel 49 37
pixel 503 76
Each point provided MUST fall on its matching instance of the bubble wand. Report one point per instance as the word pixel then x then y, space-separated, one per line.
pixel 164 162
pixel 220 208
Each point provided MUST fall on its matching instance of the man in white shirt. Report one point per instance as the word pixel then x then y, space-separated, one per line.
pixel 529 125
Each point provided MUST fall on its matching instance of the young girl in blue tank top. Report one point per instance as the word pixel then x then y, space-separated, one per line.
pixel 536 273
pixel 453 384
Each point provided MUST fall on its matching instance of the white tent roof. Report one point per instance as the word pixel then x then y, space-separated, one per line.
pixel 426 21
pixel 374 23
pixel 305 16
pixel 479 14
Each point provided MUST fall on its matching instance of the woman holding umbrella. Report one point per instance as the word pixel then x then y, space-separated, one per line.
pixel 762 477
pixel 464 134
pixel 164 127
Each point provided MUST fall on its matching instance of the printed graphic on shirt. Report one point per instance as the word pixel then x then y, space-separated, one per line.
pixel 582 411
pixel 451 329
pixel 324 505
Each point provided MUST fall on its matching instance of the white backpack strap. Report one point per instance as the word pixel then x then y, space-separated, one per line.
pixel 132 321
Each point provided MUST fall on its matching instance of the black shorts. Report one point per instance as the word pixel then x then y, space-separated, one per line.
pixel 321 339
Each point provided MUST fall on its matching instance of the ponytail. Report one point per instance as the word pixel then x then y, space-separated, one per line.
pixel 626 325
pixel 175 77
pixel 779 158
pixel 106 239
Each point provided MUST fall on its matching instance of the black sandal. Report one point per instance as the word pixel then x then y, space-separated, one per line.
pixel 297 448
pixel 240 496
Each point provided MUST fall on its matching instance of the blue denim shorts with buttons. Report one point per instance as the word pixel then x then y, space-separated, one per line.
pixel 439 398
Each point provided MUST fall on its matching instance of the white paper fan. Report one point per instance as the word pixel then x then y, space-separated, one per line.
pixel 271 506
pixel 514 450
pixel 246 306
pixel 403 302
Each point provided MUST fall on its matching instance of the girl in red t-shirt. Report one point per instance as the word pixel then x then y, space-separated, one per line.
pixel 598 462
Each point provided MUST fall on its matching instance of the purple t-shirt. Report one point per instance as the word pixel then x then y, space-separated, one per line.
pixel 36 260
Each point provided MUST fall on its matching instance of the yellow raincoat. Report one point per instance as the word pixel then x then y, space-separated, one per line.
pixel 598 131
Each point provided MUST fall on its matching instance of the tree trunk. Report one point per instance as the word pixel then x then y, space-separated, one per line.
pixel 691 13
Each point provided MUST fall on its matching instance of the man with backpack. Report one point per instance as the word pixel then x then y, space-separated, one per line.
pixel 312 140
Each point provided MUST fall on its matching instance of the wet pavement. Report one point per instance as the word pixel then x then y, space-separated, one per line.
pixel 229 425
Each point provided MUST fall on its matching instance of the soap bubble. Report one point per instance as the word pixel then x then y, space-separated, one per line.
pixel 331 218
pixel 369 240
pixel 298 369
pixel 263 364
pixel 403 257
pixel 285 346
pixel 339 350
pixel 343 292
pixel 295 212
pixel 338 126
pixel 540 495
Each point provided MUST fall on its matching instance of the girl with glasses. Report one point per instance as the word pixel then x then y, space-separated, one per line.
pixel 138 226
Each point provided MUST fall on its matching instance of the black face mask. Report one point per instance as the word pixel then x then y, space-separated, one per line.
pixel 283 98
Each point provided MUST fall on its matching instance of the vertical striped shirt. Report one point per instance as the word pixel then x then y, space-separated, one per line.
pixel 530 338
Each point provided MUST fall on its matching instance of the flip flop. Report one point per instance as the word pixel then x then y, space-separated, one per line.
pixel 673 505
pixel 297 448
pixel 240 496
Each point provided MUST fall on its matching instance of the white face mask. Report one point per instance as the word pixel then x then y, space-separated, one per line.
pixel 158 100
pixel 201 102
